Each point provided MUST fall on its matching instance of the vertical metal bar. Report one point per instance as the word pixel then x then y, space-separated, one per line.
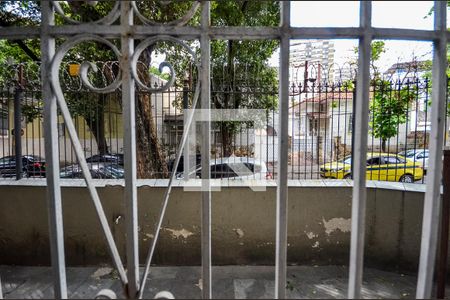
pixel 205 149
pixel 18 96
pixel 52 156
pixel 353 130
pixel 129 123
pixel 186 156
pixel 282 191
pixel 443 239
pixel 432 201
pixel 359 156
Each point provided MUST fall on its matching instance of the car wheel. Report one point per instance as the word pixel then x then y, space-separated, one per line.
pixel 407 178
pixel 348 176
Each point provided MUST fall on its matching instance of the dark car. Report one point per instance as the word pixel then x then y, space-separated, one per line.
pixel 112 172
pixel 114 158
pixel 97 170
pixel 32 165
pixel 74 171
pixel 180 167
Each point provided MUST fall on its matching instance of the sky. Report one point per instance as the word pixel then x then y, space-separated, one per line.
pixel 387 14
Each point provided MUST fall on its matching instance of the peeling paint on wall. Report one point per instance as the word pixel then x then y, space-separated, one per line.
pixel 101 272
pixel 199 284
pixel 334 224
pixel 239 232
pixel 311 235
pixel 150 236
pixel 179 233
pixel 316 244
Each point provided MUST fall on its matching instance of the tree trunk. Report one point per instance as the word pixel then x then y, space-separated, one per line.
pixel 227 138
pixel 150 158
pixel 96 124
pixel 383 145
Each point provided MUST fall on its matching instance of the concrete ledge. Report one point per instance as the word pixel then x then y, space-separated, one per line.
pixel 408 187
pixel 243 223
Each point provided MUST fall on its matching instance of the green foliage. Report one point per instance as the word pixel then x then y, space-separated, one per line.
pixel 431 11
pixel 11 50
pixel 377 48
pixel 389 104
pixel 347 86
pixel 389 108
pixel 32 112
pixel 155 71
pixel 240 70
pixel 238 67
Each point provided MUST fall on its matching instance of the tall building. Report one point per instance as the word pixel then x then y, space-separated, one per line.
pixel 314 53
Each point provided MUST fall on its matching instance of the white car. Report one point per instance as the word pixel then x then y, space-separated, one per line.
pixel 417 155
pixel 234 167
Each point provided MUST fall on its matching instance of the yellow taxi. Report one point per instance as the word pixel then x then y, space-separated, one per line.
pixel 380 166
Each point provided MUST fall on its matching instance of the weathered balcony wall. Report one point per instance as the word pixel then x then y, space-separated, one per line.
pixel 243 228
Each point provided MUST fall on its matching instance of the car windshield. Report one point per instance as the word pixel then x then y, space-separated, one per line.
pixel 410 153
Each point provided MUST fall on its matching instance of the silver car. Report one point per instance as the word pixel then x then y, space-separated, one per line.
pixel 417 155
pixel 234 168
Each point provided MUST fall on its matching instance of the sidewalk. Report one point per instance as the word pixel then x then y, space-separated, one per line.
pixel 239 282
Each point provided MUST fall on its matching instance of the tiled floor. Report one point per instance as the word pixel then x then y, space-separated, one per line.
pixel 237 282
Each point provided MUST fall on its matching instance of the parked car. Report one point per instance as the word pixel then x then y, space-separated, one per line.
pixel 417 155
pixel 113 172
pixel 97 170
pixel 115 158
pixel 380 166
pixel 32 165
pixel 180 167
pixel 234 167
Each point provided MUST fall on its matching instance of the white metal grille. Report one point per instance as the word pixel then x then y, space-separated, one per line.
pixel 105 29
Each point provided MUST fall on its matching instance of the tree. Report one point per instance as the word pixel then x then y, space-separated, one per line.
pixel 389 108
pixel 241 76
pixel 228 58
pixel 389 102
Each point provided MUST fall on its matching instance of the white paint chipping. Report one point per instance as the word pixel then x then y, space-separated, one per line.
pixel 334 224
pixel 199 284
pixel 316 244
pixel 239 232
pixel 311 235
pixel 101 272
pixel 179 233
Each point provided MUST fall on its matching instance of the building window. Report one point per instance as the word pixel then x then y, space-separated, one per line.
pixel 313 126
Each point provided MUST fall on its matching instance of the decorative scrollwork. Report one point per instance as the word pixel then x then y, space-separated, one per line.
pixel 148 43
pixel 106 294
pixel 178 22
pixel 164 295
pixel 85 67
pixel 110 18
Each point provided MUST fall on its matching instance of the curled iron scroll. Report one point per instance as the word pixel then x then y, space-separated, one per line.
pixel 152 41
pixel 85 66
